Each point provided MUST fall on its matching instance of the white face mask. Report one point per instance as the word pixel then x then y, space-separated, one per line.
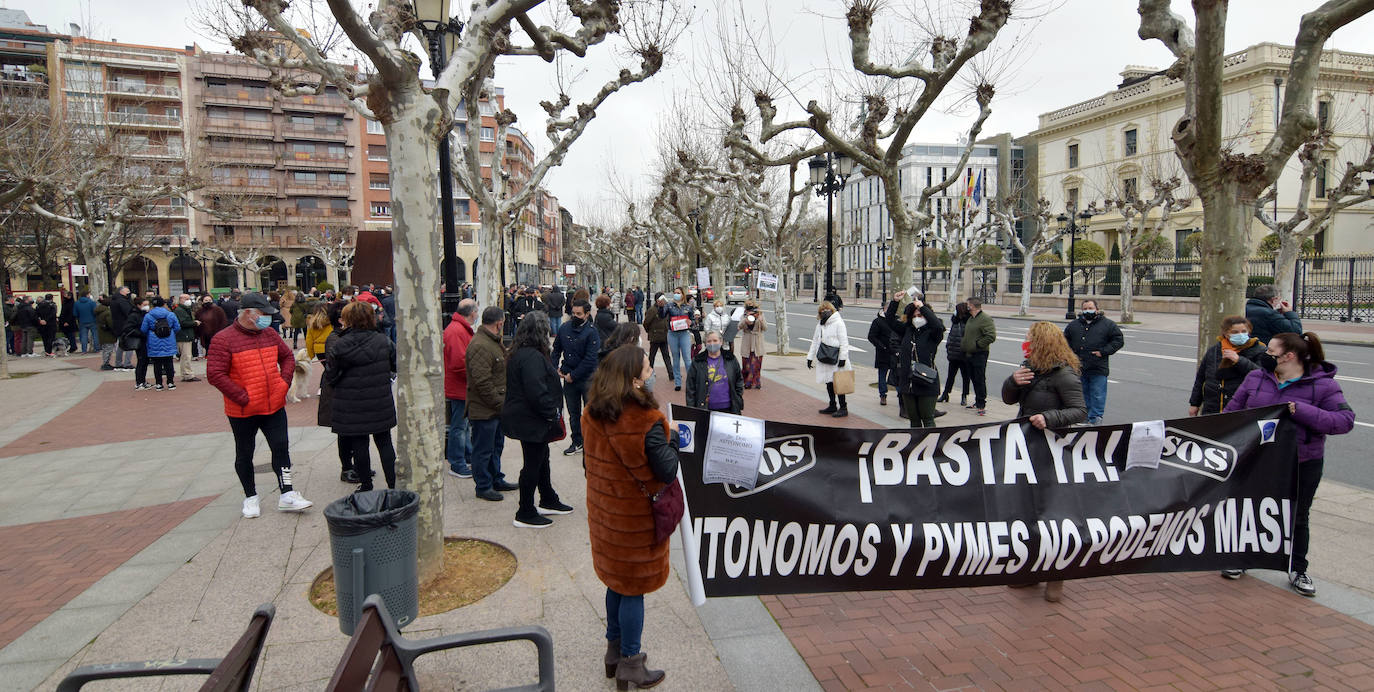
pixel 188 303
pixel 145 307
pixel 720 311
pixel 918 322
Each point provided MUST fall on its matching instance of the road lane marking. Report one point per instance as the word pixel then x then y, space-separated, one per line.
pixel 1017 365
pixel 1367 425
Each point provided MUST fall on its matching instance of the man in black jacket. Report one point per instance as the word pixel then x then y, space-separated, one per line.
pixel 883 334
pixel 121 306
pixel 1269 314
pixel 575 355
pixel 553 305
pixel 1094 338
pixel 47 323
pixel 25 324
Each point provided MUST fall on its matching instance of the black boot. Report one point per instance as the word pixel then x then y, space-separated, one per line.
pixel 631 671
pixel 612 656
pixel 844 409
pixel 830 390
pixel 943 398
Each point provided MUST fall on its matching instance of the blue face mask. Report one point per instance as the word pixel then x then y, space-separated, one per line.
pixel 677 296
pixel 1238 339
pixel 713 349
pixel 264 321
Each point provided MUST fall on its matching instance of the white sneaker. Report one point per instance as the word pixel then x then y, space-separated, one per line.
pixel 250 507
pixel 293 502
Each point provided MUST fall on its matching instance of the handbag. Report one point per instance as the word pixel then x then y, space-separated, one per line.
pixel 668 506
pixel 679 323
pixel 558 432
pixel 825 353
pixel 924 374
pixel 843 382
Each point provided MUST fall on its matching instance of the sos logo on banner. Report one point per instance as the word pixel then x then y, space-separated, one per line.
pixel 783 458
pixel 1198 454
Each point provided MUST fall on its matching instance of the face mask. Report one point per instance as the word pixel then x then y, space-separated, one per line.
pixel 825 315
pixel 713 349
pixel 918 322
pixel 648 385
pixel 1268 362
pixel 720 311
pixel 264 321
pixel 1238 339
pixel 1025 348
pixel 145 308
pixel 188 303
pixel 1089 314
pixel 677 296
pixel 578 321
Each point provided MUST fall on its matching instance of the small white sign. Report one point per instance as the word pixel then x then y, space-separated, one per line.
pixel 1147 444
pixel 734 449
pixel 703 277
pixel 767 282
pixel 570 269
pixel 79 270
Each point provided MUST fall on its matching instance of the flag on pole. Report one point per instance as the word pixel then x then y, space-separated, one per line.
pixel 978 189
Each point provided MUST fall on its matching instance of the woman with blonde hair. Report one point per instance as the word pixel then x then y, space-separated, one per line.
pixel 830 350
pixel 1047 390
pixel 317 330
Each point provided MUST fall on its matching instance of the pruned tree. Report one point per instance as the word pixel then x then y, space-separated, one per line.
pixel 961 234
pixel 239 254
pixel 416 117
pixel 1006 213
pixel 335 246
pixel 1137 227
pixel 903 94
pixel 1230 182
pixel 1305 223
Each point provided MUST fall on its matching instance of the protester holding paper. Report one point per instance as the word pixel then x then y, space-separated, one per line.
pixel 919 386
pixel 631 457
pixel 829 354
pixel 751 344
pixel 714 382
pixel 1048 391
pixel 679 316
pixel 1293 370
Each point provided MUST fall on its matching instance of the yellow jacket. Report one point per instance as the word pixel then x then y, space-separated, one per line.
pixel 314 340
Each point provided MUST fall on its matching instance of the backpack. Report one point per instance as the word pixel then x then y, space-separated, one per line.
pixel 162 328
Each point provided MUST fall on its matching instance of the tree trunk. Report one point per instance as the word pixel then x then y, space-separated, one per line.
pixel 98 279
pixel 1027 271
pixel 1128 285
pixel 780 332
pixel 1286 265
pixel 1225 246
pixel 489 279
pixel 416 241
pixel 954 271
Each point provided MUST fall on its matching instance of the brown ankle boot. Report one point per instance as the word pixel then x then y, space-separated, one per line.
pixel 1054 590
pixel 612 656
pixel 631 671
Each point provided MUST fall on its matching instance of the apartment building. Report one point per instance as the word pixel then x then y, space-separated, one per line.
pixel 549 225
pixel 1118 142
pixel 290 165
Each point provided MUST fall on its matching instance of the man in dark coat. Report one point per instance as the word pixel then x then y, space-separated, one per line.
pixel 47 323
pixel 1094 338
pixel 25 324
pixel 553 305
pixel 577 346
pixel 883 333
pixel 121 306
pixel 486 365
pixel 1269 314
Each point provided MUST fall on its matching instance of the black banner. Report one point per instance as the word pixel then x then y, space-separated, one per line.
pixel 838 509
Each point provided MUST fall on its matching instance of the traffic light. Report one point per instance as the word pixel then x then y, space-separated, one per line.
pixel 747 270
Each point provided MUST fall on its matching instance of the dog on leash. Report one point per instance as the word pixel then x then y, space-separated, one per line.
pixel 300 384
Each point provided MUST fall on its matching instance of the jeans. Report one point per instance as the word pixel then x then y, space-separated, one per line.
pixel 680 348
pixel 162 367
pixel 977 364
pixel 121 356
pixel 1309 476
pixel 459 441
pixel 624 621
pixel 882 380
pixel 574 395
pixel 1095 396
pixel 487 445
pixel 535 475
pixel 106 350
pixel 357 449
pixel 555 321
pixel 89 340
pixel 273 427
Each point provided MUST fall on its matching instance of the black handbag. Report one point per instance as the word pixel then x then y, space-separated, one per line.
pixel 825 353
pixel 923 373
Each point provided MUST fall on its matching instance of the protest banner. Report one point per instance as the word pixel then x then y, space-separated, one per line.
pixel 836 509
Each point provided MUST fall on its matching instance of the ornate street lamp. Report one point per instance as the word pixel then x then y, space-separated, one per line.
pixel 442 32
pixel 828 175
pixel 1067 220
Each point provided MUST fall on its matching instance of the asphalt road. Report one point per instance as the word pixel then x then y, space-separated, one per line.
pixel 1151 378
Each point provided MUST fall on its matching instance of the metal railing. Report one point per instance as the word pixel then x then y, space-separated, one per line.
pixel 125 118
pixel 121 87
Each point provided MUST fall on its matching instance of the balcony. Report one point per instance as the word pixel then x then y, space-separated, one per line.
pixel 141 89
pixel 255 216
pixel 303 159
pixel 339 133
pixel 229 126
pixel 124 55
pixel 323 103
pixel 296 215
pixel 294 187
pixel 237 97
pixel 156 151
pixel 123 119
pixel 240 155
pixel 258 185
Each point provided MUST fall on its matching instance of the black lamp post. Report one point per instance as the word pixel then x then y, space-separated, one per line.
pixel 648 283
pixel 882 267
pixel 828 175
pixel 442 33
pixel 200 260
pixel 924 241
pixel 1068 219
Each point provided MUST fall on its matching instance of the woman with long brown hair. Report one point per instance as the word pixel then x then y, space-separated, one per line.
pixel 359 364
pixel 631 454
pixel 1048 391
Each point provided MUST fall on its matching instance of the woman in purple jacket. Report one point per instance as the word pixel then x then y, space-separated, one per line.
pixel 1293 370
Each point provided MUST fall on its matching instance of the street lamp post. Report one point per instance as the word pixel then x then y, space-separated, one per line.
pixel 648 283
pixel 200 260
pixel 923 263
pixel 829 182
pixel 882 266
pixel 1069 220
pixel 442 33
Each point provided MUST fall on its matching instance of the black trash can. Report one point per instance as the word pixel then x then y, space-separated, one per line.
pixel 372 536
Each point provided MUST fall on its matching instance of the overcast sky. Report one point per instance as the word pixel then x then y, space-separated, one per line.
pixel 1072 52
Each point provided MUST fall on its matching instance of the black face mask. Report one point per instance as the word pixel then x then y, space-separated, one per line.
pixel 825 315
pixel 578 321
pixel 1268 362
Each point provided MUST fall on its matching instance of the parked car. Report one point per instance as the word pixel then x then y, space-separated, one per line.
pixel 736 294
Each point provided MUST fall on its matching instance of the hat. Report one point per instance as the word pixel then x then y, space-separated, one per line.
pixel 257 301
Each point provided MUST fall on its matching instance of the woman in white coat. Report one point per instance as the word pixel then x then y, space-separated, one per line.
pixel 830 331
pixel 717 320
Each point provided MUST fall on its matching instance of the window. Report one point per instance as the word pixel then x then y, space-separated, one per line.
pixel 381 208
pixel 257 91
pixel 82 78
pixel 254 115
pixel 303 203
pixel 303 176
pixel 302 120
pixel 1073 156
pixel 336 151
pixel 259 176
pixel 339 205
pixel 1071 195
pixel 338 178
pixel 1324 114
pixel 302 147
pixel 488 134
pixel 1130 188
pixel 1130 142
pixel 218 112
pixel 376 152
pixel 216 83
pixel 379 182
pixel 375 128
pixel 462 206
pixel 1322 167
pixel 172 111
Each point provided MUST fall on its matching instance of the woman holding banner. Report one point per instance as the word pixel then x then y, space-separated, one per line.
pixel 1293 370
pixel 830 347
pixel 1047 389
pixel 1224 366
pixel 631 455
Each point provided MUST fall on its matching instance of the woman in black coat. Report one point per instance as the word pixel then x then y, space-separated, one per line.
pixel 359 362
pixel 920 342
pixel 954 352
pixel 1224 366
pixel 884 333
pixel 604 321
pixel 532 415
pixel 66 321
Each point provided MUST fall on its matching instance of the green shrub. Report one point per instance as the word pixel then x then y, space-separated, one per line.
pixel 324 286
pixel 1088 252
pixel 987 254
pixel 1270 245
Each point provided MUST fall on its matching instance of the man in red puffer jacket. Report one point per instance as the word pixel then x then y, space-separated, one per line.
pixel 457 336
pixel 252 367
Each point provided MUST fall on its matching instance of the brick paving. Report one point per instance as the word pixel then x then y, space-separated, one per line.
pixel 49 563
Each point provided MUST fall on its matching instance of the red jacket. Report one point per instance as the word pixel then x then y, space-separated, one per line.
pixel 457 335
pixel 251 368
